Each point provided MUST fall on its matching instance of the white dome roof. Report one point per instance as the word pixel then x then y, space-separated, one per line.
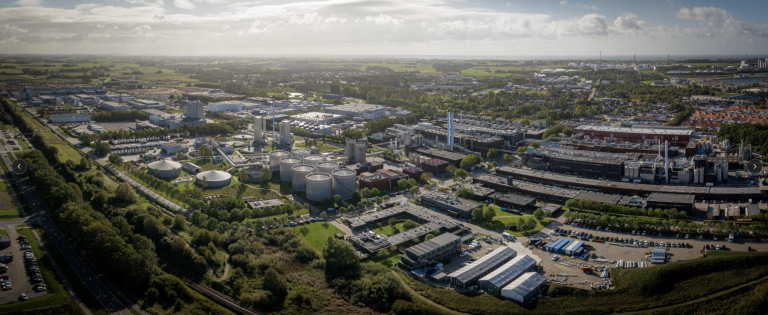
pixel 164 165
pixel 214 176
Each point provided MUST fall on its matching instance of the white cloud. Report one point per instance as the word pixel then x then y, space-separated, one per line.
pixel 563 2
pixel 715 21
pixel 29 3
pixel 702 13
pixel 184 4
pixel 587 25
pixel 226 28
pixel 586 6
pixel 143 27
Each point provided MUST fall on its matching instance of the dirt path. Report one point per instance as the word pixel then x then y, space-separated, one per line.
pixel 226 271
pixel 701 299
pixel 425 299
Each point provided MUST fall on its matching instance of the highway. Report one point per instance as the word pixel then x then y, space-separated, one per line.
pixel 92 282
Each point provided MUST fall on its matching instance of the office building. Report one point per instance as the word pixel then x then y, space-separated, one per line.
pixel 438 249
pixel 468 276
pixel 360 110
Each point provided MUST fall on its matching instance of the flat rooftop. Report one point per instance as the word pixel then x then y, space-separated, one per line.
pixel 437 153
pixel 430 245
pixel 453 201
pixel 265 203
pixel 671 198
pixel 513 199
pixel 670 132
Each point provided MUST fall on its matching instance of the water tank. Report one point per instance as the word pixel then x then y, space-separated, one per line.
pixel 299 175
pixel 344 182
pixel 300 153
pixel 360 147
pixel 326 167
pixel 719 172
pixel 725 171
pixel 530 150
pixel 313 159
pixel 627 171
pixel 274 159
pixel 696 176
pixel 701 177
pixel 319 186
pixel 286 166
pixel 350 149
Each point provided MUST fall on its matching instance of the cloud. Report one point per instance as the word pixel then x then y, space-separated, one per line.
pixel 586 6
pixel 226 28
pixel 587 25
pixel 714 21
pixel 12 29
pixel 143 27
pixel 184 4
pixel 563 2
pixel 702 13
pixel 29 3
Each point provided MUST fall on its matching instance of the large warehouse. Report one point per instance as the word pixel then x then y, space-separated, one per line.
pixel 676 137
pixel 362 110
pixel 214 178
pixel 525 288
pixel 469 275
pixel 164 169
pixel 507 273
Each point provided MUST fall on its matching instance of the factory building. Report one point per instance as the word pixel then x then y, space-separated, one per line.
pixel 113 106
pixel 512 201
pixel 70 118
pixel 668 201
pixel 164 169
pixel 191 168
pixel 195 110
pixel 318 118
pixel 413 172
pixel 371 181
pixel 435 166
pixel 286 138
pixel 676 137
pixel 467 276
pixel 215 178
pixel 264 203
pixel 227 106
pixel 451 157
pixel 525 288
pixel 454 206
pixel 367 167
pixel 438 249
pixel 358 110
pixel 507 273
pixel 147 104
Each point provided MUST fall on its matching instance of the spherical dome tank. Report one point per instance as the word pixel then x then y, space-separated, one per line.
pixel 299 175
pixel 319 186
pixel 164 169
pixel 215 178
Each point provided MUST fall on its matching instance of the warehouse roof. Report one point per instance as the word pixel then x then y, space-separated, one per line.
pixel 483 264
pixel 430 245
pixel 526 284
pixel 513 199
pixel 671 132
pixel 509 271
pixel 441 153
pixel 671 198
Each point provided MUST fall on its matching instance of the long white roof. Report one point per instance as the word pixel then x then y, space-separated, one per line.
pixel 671 132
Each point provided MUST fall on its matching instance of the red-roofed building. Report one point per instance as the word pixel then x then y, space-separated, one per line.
pixel 435 166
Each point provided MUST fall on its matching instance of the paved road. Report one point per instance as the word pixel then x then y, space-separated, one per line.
pixel 97 288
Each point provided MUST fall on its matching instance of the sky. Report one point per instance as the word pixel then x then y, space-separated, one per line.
pixel 383 27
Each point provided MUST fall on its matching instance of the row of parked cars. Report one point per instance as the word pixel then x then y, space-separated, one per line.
pixel 589 236
pixel 649 233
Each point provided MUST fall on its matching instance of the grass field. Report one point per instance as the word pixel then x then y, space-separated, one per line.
pixel 498 223
pixel 57 296
pixel 386 229
pixel 208 165
pixel 66 152
pixel 8 209
pixel 316 234
pixel 387 261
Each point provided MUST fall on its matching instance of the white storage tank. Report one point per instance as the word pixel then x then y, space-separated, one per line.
pixel 344 182
pixel 313 159
pixel 274 159
pixel 318 186
pixel 300 153
pixel 326 167
pixel 299 175
pixel 164 169
pixel 214 178
pixel 286 168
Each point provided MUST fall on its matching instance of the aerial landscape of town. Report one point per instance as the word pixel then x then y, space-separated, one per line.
pixel 359 157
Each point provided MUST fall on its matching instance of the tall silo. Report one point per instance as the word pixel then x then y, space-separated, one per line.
pixel 274 159
pixel 344 182
pixel 300 153
pixel 286 168
pixel 299 175
pixel 350 150
pixel 360 147
pixel 326 167
pixel 318 186
pixel 313 159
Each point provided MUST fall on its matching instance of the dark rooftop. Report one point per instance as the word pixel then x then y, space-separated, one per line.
pixel 671 198
pixel 430 245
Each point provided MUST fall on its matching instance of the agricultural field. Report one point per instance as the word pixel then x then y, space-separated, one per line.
pixel 8 209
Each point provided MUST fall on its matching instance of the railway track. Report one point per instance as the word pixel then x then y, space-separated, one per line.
pixel 211 293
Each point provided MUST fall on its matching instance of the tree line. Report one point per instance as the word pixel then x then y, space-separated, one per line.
pixel 128 115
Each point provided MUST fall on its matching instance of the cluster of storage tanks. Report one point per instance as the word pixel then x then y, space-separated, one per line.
pixel 320 179
pixel 631 171
pixel 140 140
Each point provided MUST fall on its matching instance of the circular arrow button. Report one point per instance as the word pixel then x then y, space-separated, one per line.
pixel 755 166
pixel 19 167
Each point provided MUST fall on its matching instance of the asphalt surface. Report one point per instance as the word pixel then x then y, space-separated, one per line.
pixel 91 281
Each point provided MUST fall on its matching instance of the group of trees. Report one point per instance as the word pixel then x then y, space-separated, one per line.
pixel 128 115
pixel 625 210
pixel 469 161
pixel 754 134
pixel 218 128
pixel 556 130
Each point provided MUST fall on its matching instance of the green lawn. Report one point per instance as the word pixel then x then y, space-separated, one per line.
pixel 387 261
pixel 24 144
pixel 208 165
pixel 386 229
pixel 57 295
pixel 66 152
pixel 316 234
pixel 8 209
pixel 301 211
pixel 497 224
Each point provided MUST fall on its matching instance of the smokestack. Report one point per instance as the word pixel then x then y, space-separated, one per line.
pixel 666 162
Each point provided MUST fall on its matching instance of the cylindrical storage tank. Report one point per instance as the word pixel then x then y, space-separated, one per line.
pixel 274 159
pixel 696 176
pixel 350 149
pixel 299 175
pixel 719 172
pixel 360 154
pixel 300 153
pixel 318 186
pixel 213 178
pixel 344 182
pixel 725 171
pixel 326 167
pixel 164 169
pixel 286 168
pixel 313 159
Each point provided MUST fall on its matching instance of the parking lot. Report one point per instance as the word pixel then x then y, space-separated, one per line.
pixel 17 273
pixel 481 251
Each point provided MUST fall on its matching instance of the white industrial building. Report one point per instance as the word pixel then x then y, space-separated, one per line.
pixel 362 110
pixel 195 110
pixel 70 118
pixel 147 104
pixel 215 178
pixel 286 137
pixel 525 288
pixel 229 106
pixel 356 150
pixel 317 118
pixel 505 274
pixel 113 106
